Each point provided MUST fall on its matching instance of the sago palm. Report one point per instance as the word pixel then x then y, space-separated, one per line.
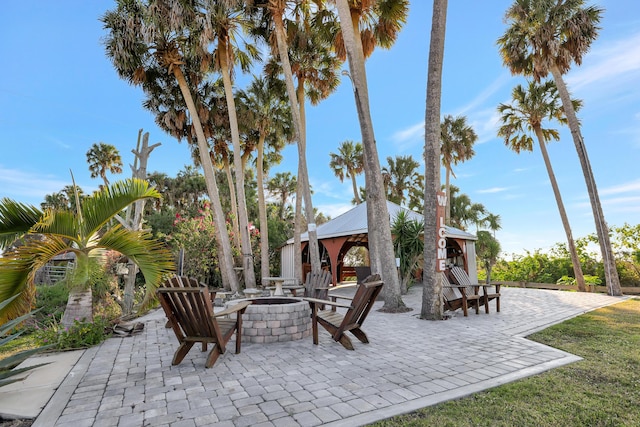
pixel 39 236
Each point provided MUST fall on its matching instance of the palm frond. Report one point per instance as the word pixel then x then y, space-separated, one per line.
pixel 18 269
pixel 16 219
pixel 98 209
pixel 58 222
pixel 154 260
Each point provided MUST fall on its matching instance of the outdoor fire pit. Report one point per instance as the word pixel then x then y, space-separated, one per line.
pixel 275 319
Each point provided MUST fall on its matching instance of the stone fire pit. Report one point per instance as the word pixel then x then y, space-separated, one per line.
pixel 275 319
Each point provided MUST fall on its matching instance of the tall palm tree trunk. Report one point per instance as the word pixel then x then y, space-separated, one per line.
pixel 380 243
pixel 354 184
pixel 303 175
pixel 226 259
pixel 262 212
pixel 577 268
pixel 608 258
pixel 245 240
pixel 233 201
pixel 447 186
pixel 432 307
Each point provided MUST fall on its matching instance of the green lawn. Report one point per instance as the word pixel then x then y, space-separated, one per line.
pixel 601 390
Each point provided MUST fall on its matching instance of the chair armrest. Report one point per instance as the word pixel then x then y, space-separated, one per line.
pixel 233 309
pixel 325 302
pixel 341 297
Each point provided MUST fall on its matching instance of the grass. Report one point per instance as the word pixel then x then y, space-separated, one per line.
pixel 601 390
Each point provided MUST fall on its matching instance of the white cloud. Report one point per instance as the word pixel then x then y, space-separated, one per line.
pixel 408 137
pixel 332 210
pixel 608 63
pixel 28 187
pixel 633 186
pixel 493 190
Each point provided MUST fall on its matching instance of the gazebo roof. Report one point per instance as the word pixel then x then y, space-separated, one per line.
pixel 354 222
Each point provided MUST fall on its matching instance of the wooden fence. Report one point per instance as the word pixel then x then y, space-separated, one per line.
pixel 627 290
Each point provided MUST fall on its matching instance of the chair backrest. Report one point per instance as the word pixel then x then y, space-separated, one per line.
pixel 315 280
pixel 188 306
pixel 449 293
pixel 462 278
pixel 362 272
pixel 363 300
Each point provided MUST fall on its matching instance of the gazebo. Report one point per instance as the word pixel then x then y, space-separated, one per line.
pixel 337 236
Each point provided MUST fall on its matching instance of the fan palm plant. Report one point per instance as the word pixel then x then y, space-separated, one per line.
pixel 38 237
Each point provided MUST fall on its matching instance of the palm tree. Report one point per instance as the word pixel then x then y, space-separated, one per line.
pixel 547 37
pixel 225 22
pixel 348 162
pixel 142 40
pixel 277 12
pixel 493 222
pixel 375 23
pixel 529 109
pixel 102 158
pixel 380 241
pixel 85 232
pixel 487 250
pixel 55 201
pixel 266 111
pixel 432 289
pixel 457 146
pixel 282 185
pixel 399 176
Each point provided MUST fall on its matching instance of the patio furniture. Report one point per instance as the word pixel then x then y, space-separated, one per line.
pixel 189 308
pixel 456 296
pixel 317 284
pixel 362 272
pixel 338 324
pixel 462 278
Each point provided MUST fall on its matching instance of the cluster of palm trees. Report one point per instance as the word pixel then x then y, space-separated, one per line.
pixel 547 37
pixel 185 56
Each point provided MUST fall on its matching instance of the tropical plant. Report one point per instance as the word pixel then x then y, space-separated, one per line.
pixel 408 243
pixel 142 41
pixel 547 36
pixel 7 372
pixel 283 185
pixel 266 112
pixel 225 24
pixel 432 307
pixel 526 114
pixel 487 251
pixel 457 139
pixel 400 174
pixel 380 240
pixel 348 163
pixel 85 232
pixel 277 12
pixel 102 158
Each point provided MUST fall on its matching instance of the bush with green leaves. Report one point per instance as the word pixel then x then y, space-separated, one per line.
pixel 79 335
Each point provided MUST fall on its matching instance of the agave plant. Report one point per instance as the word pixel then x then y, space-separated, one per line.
pixel 36 237
pixel 7 365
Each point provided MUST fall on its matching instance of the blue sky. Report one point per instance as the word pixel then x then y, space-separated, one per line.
pixel 59 95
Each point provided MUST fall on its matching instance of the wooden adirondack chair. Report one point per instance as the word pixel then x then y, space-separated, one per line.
pixel 317 284
pixel 189 308
pixel 338 324
pixel 462 278
pixel 456 296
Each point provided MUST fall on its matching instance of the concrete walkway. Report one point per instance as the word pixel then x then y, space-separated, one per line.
pixel 410 363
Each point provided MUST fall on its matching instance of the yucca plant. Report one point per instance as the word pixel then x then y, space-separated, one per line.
pixel 7 373
pixel 37 237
